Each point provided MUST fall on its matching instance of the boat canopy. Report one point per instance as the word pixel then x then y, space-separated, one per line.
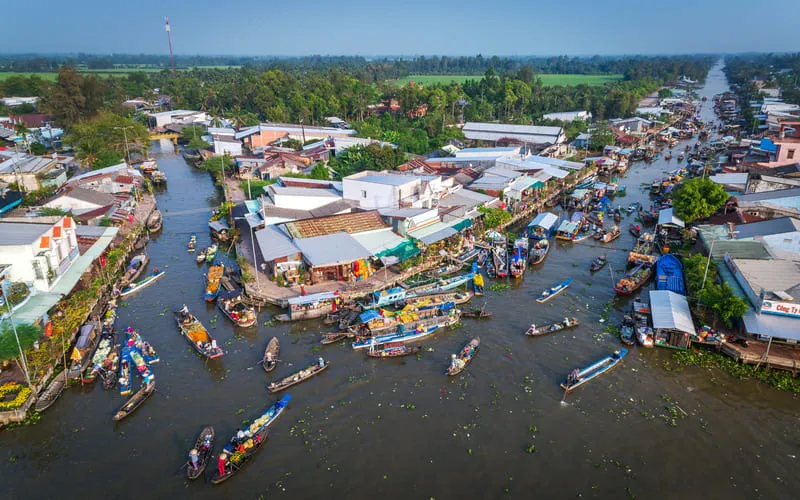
pixel 545 220
pixel 218 226
pixel 671 311
pixel 310 299
pixel 83 339
pixel 568 227
pixel 667 217
pixel 368 316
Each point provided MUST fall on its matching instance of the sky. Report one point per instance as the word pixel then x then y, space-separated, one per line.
pixel 405 27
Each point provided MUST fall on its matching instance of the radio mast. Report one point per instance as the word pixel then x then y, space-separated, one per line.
pixel 169 40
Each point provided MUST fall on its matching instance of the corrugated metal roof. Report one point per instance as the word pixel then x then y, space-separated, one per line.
pixel 274 244
pixel 356 222
pixel 378 242
pixel 526 133
pixel 311 298
pixel 666 217
pixel 764 228
pixel 21 233
pixel 739 178
pixel 771 325
pixel 671 311
pixel 332 249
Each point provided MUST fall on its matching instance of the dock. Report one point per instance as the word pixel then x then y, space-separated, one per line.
pixel 781 356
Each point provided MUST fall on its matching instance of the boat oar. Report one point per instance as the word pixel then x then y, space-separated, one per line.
pixel 181 467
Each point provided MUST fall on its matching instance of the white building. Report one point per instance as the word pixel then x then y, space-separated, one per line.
pixel 300 198
pixel 527 134
pixel 10 102
pixel 80 200
pixel 39 252
pixel 569 116
pixel 225 142
pixel 31 172
pixel 382 190
pixel 177 116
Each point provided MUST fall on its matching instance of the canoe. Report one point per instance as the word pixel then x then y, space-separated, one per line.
pixel 135 269
pixel 394 350
pixel 88 339
pixel 634 279
pixel 231 467
pixel 598 263
pixel 197 335
pixel 274 349
pixel 610 236
pixel 541 330
pixel 51 393
pixel 332 338
pixel 627 333
pixel 552 292
pixel 213 281
pixel 297 377
pixel 201 256
pixel 135 401
pixel 476 312
pixel 635 230
pixel 205 450
pixel 235 310
pixel 108 372
pixel 149 280
pixel 464 357
pixel 192 243
pixel 211 252
pixel 101 353
pixel 154 221
pixel 539 251
pixel 579 377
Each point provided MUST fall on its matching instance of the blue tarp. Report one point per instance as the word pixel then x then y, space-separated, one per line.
pixel 669 274
pixel 767 145
pixel 369 315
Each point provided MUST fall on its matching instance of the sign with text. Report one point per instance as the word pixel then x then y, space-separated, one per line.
pixel 781 308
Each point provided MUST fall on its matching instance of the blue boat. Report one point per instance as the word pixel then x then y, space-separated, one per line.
pixel 552 292
pixel 669 274
pixel 579 377
pixel 542 226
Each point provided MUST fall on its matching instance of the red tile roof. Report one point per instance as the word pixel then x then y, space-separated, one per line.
pixel 357 222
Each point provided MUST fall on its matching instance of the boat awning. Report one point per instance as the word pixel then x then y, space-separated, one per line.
pixel 545 220
pixel 771 325
pixel 369 315
pixel 568 227
pixel 666 217
pixel 83 339
pixel 579 193
pixel 218 226
pixel 312 298
pixel 432 233
pixel 229 294
pixel 380 241
pixel 670 311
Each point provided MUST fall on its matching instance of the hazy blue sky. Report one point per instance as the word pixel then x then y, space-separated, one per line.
pixel 463 27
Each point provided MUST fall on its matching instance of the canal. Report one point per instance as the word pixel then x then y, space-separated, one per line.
pixel 401 428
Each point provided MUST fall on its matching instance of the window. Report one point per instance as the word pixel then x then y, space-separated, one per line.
pixel 37 269
pixel 790 154
pixel 363 193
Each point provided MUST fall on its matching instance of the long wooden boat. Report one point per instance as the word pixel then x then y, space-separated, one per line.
pixel 88 339
pixel 568 230
pixel 197 335
pixel 539 251
pixel 271 355
pixel 416 330
pixel 647 217
pixel 476 312
pixel 333 337
pixel 393 350
pixel 550 293
pixel 211 253
pixel 108 372
pixel 500 259
pixel 231 305
pixel 135 401
pixel 478 286
pixel 610 236
pixel 97 362
pixel 627 332
pixel 547 329
pixel 204 448
pixel 201 256
pixel 297 377
pixel 598 263
pixel 579 377
pixel 519 259
pixel 635 230
pixel 135 269
pixel 155 221
pixel 584 233
pixel 634 279
pixel 213 279
pixel 51 393
pixel 192 243
pixel 149 280
pixel 239 451
pixel 464 357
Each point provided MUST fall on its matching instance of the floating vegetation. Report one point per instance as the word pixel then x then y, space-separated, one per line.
pixel 497 287
pixel 780 380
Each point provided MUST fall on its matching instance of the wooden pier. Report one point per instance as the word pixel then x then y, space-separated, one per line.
pixel 781 356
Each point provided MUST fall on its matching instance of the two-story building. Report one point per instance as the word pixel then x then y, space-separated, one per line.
pixel 384 190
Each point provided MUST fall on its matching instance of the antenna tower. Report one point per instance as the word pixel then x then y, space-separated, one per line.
pixel 169 39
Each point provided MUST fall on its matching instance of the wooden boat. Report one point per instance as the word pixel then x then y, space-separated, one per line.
pixel 158 177
pixel 297 377
pixel 192 243
pixel 332 338
pixel 108 372
pixel 539 251
pixel 635 230
pixel 478 284
pixel 568 230
pixel 135 269
pixel 547 329
pixel 617 215
pixel 148 353
pixel 155 221
pixel 519 259
pixel 313 305
pixel 393 350
pixel 204 446
pixel 634 279
pixel 579 377
pixel 231 305
pixel 411 331
pixel 196 334
pixel 88 339
pixel 213 279
pixel 147 281
pixel 610 236
pixel 135 401
pixel 644 336
pixel 464 357
pixel 101 353
pixel 211 252
pixel 647 217
pixel 201 256
pixel 255 437
pixel 633 207
pixel 274 351
pixel 598 263
pixel 440 286
pixel 500 259
pixel 669 274
pixel 584 233
pixel 51 393
pixel 627 333
pixel 554 291
pixel 445 270
pixel 476 312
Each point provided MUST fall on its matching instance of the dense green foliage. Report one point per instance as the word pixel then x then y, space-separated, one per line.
pixel 698 198
pixel 101 140
pixel 493 217
pixel 694 268
pixel 371 157
pixel 779 379
pixel 721 299
pixel 27 334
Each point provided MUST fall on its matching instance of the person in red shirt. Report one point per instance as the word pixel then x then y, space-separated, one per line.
pixel 223 457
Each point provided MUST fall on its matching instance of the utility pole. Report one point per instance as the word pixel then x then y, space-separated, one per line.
pixel 169 40
pixel 4 285
pixel 125 134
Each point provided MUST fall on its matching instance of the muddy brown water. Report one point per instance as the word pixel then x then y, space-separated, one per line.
pixel 401 428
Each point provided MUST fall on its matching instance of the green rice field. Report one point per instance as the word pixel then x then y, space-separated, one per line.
pixel 549 80
pixel 99 72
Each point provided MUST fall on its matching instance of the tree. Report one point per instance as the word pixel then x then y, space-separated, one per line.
pixel 65 99
pixel 198 143
pixel 28 334
pixel 698 199
pixel 37 148
pixel 98 137
pixel 493 217
pixel 602 136
pixel 722 300
pixel 320 172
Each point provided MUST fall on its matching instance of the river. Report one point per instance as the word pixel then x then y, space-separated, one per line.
pixel 401 428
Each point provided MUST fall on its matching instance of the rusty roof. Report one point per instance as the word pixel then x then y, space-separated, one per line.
pixel 357 222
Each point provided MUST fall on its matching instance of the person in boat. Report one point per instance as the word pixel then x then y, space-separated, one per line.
pixel 566 322
pixel 268 358
pixel 213 345
pixel 221 463
pixel 573 377
pixel 321 362
pixel 533 328
pixel 193 458
pixel 456 363
pixel 186 316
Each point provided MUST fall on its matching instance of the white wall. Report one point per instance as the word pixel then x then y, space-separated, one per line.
pixel 299 202
pixel 69 203
pixel 788 242
pixel 20 257
pixel 369 194
pixel 231 148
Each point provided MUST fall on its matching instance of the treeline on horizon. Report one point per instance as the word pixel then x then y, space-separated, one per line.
pixel 364 68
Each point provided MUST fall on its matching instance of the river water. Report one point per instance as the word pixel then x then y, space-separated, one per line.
pixel 401 428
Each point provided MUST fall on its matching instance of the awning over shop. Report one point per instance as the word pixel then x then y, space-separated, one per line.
pixel 666 217
pixel 771 325
pixel 311 298
pixel 432 233
pixel 670 311
pixel 462 225
pixel 380 241
pixel 401 252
